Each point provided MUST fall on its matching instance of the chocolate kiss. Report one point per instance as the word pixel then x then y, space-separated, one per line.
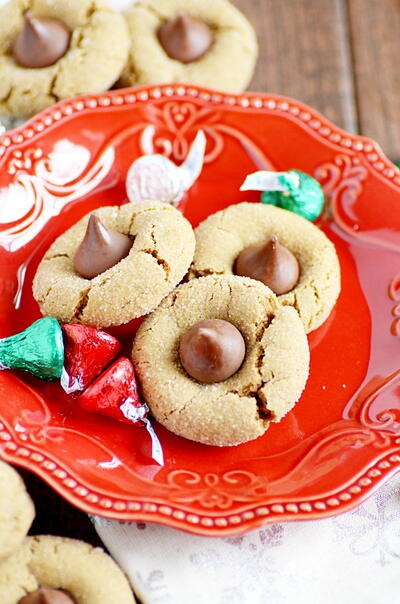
pixel 46 595
pixel 212 350
pixel 271 263
pixel 100 249
pixel 185 39
pixel 41 42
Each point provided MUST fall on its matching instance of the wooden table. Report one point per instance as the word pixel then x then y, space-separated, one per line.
pixel 339 56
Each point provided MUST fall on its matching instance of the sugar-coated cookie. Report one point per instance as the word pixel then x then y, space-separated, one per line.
pixel 86 573
pixel 16 510
pixel 97 52
pixel 240 408
pixel 224 235
pixel 228 63
pixel 162 250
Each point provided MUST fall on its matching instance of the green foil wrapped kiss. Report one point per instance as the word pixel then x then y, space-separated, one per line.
pixel 294 190
pixel 38 350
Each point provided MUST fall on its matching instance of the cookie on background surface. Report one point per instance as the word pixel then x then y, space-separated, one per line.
pixel 225 235
pixel 239 408
pixel 162 247
pixel 83 574
pixel 16 510
pixel 207 42
pixel 55 50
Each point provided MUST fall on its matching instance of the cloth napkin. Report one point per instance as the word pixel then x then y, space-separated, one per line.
pixel 354 557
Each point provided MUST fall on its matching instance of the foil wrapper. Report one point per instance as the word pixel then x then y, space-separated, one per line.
pixel 156 448
pixel 114 394
pixel 157 178
pixel 38 350
pixel 87 352
pixel 294 190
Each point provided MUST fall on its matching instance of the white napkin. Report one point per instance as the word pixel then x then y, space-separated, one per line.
pixel 352 558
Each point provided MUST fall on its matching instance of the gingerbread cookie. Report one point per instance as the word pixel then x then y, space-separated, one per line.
pixel 16 510
pixel 57 50
pixel 159 254
pixel 190 41
pixel 222 238
pixel 230 410
pixel 85 574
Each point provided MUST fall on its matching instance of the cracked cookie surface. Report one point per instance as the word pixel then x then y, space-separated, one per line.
pixel 97 53
pixel 88 574
pixel 16 510
pixel 235 44
pixel 269 382
pixel 222 236
pixel 162 250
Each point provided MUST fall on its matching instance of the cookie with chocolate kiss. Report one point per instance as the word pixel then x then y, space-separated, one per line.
pixel 220 359
pixel 115 265
pixel 205 42
pixel 277 247
pixel 57 50
pixel 57 570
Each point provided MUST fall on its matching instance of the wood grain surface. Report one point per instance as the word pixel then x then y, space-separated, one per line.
pixel 339 56
pixel 375 36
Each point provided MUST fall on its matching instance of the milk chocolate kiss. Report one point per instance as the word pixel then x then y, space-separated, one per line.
pixel 100 249
pixel 271 263
pixel 185 39
pixel 212 350
pixel 41 42
pixel 46 595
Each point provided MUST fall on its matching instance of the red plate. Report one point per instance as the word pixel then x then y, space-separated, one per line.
pixel 340 442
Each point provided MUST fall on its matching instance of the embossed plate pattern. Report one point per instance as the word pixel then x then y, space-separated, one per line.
pixel 340 442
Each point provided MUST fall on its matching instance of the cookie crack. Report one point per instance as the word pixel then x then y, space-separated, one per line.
pixel 42 299
pixel 57 256
pixel 154 253
pixel 163 208
pixel 80 307
pixel 52 85
pixel 257 392
pixel 7 97
pixel 206 272
pixel 160 261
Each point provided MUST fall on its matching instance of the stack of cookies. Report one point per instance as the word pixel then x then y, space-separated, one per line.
pixel 47 569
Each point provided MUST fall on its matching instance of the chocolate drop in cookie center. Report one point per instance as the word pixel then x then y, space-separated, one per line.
pixel 41 42
pixel 185 39
pixel 100 249
pixel 212 350
pixel 47 595
pixel 271 263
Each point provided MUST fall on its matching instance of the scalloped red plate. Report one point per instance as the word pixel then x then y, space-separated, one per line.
pixel 340 442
